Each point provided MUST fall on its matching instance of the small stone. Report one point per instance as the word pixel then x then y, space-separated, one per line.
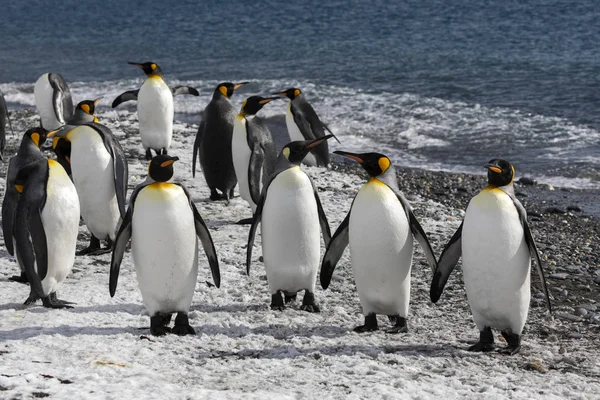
pixel 574 208
pixel 589 307
pixel 555 210
pixel 553 338
pixel 576 335
pixel 462 189
pixel 569 317
pixel 581 312
pixel 536 365
pixel 560 275
pixel 524 180
pixel 597 279
pixel 573 268
pixel 336 277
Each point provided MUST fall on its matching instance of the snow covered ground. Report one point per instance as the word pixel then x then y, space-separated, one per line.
pixel 102 348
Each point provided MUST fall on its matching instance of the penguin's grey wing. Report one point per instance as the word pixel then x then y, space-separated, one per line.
pixel 123 97
pixel 257 156
pixel 197 142
pixel 206 239
pixel 177 90
pixel 446 264
pixel 533 251
pixel 62 100
pixel 121 241
pixel 322 217
pixel 334 251
pixel 120 168
pixel 417 230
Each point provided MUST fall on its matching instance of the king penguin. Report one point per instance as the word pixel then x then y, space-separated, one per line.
pixel 3 118
pixel 291 215
pixel 213 142
pixel 303 123
pixel 46 226
pixel 496 245
pixel 99 171
pixel 380 227
pixel 53 100
pixel 28 153
pixel 253 150
pixel 155 108
pixel 163 222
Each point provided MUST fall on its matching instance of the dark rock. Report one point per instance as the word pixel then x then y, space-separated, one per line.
pixel 582 312
pixel 527 181
pixel 555 210
pixel 574 208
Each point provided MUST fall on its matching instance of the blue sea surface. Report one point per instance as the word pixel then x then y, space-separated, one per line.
pixel 436 84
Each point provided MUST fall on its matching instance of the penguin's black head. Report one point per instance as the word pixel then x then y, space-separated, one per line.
pixel 500 172
pixel 227 88
pixel 150 68
pixel 161 167
pixel 290 93
pixel 88 106
pixel 297 150
pixel 374 163
pixel 37 135
pixel 253 104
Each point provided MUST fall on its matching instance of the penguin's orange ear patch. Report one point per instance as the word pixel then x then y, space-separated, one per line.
pixel 297 92
pixel 384 164
pixel 223 90
pixel 286 152
pixel 35 137
pixel 19 188
pixel 153 66
pixel 86 108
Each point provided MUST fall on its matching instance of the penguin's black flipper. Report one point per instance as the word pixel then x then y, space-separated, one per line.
pixel 255 221
pixel 197 142
pixel 334 251
pixel 177 90
pixel 62 100
pixel 322 217
pixel 255 166
pixel 127 96
pixel 446 264
pixel 206 239
pixel 9 210
pixel 417 230
pixel 533 252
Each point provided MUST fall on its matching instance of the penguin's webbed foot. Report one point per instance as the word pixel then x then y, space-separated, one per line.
pixel 182 325
pixel 215 196
pixel 369 326
pixel 308 303
pixel 20 278
pixel 33 297
pixel 231 193
pixel 486 341
pixel 290 297
pixel 158 324
pixel 400 325
pixel 277 302
pixel 51 301
pixel 245 221
pixel 92 248
pixel 514 343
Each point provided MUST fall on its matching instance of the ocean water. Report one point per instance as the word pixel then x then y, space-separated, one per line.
pixel 434 85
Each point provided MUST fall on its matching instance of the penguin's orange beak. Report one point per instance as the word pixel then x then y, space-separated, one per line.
pixel 239 85
pixel 351 156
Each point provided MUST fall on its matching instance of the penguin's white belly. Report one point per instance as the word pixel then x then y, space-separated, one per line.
pixel 381 249
pixel 496 262
pixel 295 134
pixel 60 218
pixel 290 233
pixel 164 248
pixel 155 114
pixel 44 102
pixel 93 175
pixel 241 159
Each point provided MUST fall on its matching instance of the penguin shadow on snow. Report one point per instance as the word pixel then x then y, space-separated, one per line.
pixel 63 330
pixel 277 331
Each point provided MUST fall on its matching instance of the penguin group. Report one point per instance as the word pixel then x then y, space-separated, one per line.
pixel 87 179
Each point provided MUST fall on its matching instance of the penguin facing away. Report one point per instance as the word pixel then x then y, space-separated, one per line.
pixel 496 245
pixel 46 226
pixel 155 108
pixel 53 100
pixel 28 153
pixel 100 173
pixel 379 227
pixel 162 223
pixel 291 215
pixel 3 118
pixel 253 151
pixel 213 142
pixel 303 123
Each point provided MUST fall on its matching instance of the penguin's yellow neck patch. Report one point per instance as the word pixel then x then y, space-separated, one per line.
pixel 375 181
pixel 161 186
pixel 95 119
pixel 52 163
pixel 154 76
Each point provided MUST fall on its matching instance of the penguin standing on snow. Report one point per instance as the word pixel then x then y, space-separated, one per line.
pixel 53 100
pixel 3 118
pixel 291 215
pixel 46 226
pixel 380 228
pixel 155 108
pixel 99 171
pixel 163 222
pixel 303 123
pixel 253 150
pixel 213 142
pixel 496 245
pixel 28 153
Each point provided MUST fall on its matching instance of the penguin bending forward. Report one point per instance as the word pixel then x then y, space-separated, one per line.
pixel 496 245
pixel 155 108
pixel 380 227
pixel 100 174
pixel 53 100
pixel 28 153
pixel 46 227
pixel 213 142
pixel 291 215
pixel 253 151
pixel 303 123
pixel 162 223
